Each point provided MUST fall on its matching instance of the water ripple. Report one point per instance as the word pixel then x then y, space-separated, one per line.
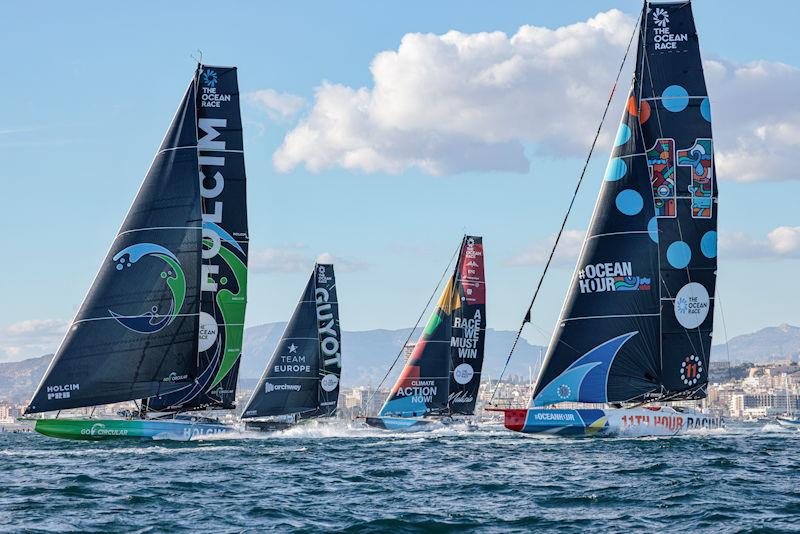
pixel 449 480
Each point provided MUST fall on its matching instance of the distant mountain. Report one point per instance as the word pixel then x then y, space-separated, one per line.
pixel 768 344
pixel 18 380
pixel 368 354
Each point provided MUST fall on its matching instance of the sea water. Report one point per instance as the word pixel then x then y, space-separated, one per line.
pixel 343 478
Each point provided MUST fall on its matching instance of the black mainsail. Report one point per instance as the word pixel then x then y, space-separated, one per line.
pixel 164 317
pixel 220 155
pixel 442 375
pixel 135 334
pixel 302 376
pixel 637 321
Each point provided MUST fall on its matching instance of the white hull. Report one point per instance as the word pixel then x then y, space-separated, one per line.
pixel 655 421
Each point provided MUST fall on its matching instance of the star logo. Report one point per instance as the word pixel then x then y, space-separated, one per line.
pixel 292 348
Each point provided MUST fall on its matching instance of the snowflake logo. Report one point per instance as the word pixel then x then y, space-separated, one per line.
pixel 661 17
pixel 564 391
pixel 682 305
pixel 210 77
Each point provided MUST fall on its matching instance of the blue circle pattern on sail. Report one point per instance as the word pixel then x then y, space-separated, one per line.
pixel 152 321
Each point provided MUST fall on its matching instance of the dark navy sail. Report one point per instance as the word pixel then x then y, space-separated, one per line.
pixel 135 334
pixel 636 323
pixel 675 118
pixel 302 376
pixel 330 339
pixel 468 335
pixel 222 186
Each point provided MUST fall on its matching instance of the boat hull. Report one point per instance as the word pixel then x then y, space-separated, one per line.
pixel 401 424
pixel 661 421
pixel 106 429
pixel 789 422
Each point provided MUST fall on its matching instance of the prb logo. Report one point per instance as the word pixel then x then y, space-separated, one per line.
pixel 210 77
pixel 660 17
pixel 691 370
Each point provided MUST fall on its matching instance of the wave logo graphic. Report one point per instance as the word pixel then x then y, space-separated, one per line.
pixel 210 77
pixel 152 321
pixel 660 17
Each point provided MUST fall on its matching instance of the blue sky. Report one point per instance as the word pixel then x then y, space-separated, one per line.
pixel 89 89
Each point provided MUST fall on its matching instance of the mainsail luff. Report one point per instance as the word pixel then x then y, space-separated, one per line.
pixel 222 181
pixel 468 331
pixel 302 376
pixel 112 351
pixel 621 337
pixel 424 385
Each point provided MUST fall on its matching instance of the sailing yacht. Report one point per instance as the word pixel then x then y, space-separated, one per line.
pixel 635 329
pixel 441 378
pixel 163 320
pixel 301 380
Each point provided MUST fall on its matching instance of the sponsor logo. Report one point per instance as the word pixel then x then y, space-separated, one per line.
pixel 174 377
pixel 61 391
pixel 209 97
pixel 563 391
pixel 691 370
pixel 552 416
pixel 611 276
pixel 460 397
pixel 463 373
pixel 210 77
pixel 208 332
pixel 153 320
pixel 420 391
pixel 329 382
pixel 660 17
pixel 269 387
pixel 99 429
pixel 663 38
pixel 327 328
pixel 220 391
pixel 692 304
pixel 467 344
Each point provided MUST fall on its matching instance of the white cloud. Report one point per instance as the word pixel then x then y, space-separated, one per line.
pixel 781 243
pixel 32 337
pixel 756 119
pixel 569 247
pixel 296 259
pixel 460 102
pixel 278 106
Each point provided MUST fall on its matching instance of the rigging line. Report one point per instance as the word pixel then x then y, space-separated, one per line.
pixel 527 317
pixel 421 315
pixel 727 341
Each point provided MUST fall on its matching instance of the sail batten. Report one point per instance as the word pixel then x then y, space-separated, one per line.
pixel 648 264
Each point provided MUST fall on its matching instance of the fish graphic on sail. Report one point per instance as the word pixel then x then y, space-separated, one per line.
pixel 637 321
pixel 139 333
pixel 442 375
pixel 301 380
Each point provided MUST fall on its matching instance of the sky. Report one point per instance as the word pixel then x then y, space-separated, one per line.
pixel 376 134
